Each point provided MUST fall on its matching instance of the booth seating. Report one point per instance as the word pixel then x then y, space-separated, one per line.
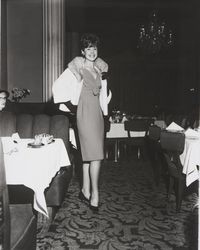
pixel 28 125
pixel 18 223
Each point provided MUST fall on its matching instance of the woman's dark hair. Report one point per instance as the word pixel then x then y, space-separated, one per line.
pixel 89 40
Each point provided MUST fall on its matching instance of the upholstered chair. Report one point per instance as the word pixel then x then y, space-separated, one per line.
pixel 172 144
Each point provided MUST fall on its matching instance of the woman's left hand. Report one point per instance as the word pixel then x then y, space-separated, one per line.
pixel 104 75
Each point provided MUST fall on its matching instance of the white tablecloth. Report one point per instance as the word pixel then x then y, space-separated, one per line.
pixel 190 158
pixel 117 131
pixel 34 167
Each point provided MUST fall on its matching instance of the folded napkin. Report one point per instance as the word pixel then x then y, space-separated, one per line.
pixel 15 137
pixel 9 146
pixel 124 119
pixel 191 133
pixel 174 127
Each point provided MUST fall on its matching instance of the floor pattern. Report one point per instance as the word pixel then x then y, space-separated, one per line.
pixel 134 215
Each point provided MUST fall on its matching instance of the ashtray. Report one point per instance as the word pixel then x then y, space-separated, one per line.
pixel 51 141
pixel 46 142
pixel 33 145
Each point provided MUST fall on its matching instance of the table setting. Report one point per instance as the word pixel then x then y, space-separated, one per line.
pixel 33 162
pixel 189 132
pixel 173 127
pixel 117 130
pixel 118 116
pixel 117 119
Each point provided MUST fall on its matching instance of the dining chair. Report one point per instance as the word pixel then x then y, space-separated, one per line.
pixel 107 142
pixel 18 222
pixel 154 151
pixel 137 125
pixel 184 122
pixel 172 144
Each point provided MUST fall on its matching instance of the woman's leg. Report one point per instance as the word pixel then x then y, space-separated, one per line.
pixel 86 180
pixel 94 174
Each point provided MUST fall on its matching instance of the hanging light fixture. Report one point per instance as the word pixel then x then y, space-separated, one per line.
pixel 155 36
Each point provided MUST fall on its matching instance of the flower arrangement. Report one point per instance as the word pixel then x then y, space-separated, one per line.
pixel 117 116
pixel 18 94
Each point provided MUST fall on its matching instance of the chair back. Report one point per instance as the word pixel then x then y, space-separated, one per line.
pixel 106 125
pixel 172 141
pixel 138 124
pixel 172 145
pixel 155 152
pixel 154 132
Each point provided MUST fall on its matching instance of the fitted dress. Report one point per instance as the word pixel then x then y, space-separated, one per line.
pixel 90 122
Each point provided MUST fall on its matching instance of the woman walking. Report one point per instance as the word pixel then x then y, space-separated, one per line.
pixel 91 99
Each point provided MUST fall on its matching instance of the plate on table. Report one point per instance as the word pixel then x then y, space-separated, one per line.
pixel 33 145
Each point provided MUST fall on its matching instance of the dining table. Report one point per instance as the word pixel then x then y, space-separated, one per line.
pixel 34 167
pixel 118 133
pixel 190 158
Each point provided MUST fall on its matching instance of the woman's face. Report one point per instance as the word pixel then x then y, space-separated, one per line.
pixel 90 53
pixel 3 98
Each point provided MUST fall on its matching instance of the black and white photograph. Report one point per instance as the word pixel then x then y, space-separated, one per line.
pixel 99 124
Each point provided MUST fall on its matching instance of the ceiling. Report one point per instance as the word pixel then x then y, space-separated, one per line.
pixel 127 3
pixel 120 19
pixel 115 14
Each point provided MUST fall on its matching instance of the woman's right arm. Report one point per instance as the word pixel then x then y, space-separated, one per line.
pixel 66 90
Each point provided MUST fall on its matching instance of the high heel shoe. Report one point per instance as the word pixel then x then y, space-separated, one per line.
pixel 82 197
pixel 94 208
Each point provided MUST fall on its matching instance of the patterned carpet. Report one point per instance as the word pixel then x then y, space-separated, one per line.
pixel 134 215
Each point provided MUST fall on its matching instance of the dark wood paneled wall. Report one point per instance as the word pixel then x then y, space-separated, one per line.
pixel 25 46
pixel 3 64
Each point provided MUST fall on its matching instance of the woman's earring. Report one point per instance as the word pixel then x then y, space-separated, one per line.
pixel 82 52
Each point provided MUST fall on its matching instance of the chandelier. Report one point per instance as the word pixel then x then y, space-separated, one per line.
pixel 154 36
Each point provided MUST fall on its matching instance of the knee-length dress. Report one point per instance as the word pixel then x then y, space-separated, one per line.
pixel 90 122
